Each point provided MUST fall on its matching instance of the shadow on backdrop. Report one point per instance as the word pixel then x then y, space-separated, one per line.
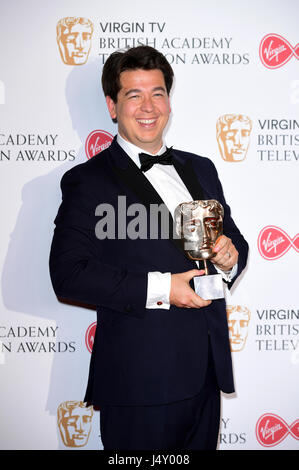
pixel 26 284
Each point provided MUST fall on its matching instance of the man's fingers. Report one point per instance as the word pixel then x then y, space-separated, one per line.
pixel 194 301
pixel 198 302
pixel 182 295
pixel 226 253
pixel 222 245
pixel 193 272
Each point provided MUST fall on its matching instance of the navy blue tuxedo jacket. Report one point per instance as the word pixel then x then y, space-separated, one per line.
pixel 140 356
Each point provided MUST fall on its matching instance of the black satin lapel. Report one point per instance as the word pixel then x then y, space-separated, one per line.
pixel 188 176
pixel 130 175
pixel 135 180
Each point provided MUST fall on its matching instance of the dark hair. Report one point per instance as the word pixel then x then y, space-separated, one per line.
pixel 140 57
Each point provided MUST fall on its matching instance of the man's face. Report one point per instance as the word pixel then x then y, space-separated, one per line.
pixel 76 42
pixel 238 320
pixel 142 108
pixel 235 138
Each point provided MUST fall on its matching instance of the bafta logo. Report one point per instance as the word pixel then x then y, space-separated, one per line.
pixel 74 39
pixel 233 136
pixel 74 423
pixel 238 318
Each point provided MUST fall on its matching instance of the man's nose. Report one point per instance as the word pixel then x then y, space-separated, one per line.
pixel 147 104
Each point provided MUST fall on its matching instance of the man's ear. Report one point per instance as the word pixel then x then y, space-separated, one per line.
pixel 111 107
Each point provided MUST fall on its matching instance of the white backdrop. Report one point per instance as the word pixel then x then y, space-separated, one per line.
pixel 49 108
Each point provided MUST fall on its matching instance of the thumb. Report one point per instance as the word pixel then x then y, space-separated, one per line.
pixel 194 272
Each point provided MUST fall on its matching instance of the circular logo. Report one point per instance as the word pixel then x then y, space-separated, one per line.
pixel 96 142
pixel 271 429
pixel 276 51
pixel 273 242
pixel 90 335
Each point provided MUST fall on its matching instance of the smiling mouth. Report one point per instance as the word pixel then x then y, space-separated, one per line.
pixel 146 122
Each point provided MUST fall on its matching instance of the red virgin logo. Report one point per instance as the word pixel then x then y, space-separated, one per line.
pixel 271 430
pixel 276 51
pixel 273 242
pixel 90 335
pixel 96 142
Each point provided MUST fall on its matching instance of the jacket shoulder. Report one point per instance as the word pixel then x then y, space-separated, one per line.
pixel 88 170
pixel 198 161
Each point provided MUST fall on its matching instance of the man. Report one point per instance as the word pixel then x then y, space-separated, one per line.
pixel 161 353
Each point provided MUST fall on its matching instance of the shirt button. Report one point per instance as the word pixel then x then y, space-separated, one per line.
pixel 159 303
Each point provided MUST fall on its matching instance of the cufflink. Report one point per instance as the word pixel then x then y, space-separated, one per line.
pixel 159 303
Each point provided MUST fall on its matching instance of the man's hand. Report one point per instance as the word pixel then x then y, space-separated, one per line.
pixel 181 294
pixel 227 255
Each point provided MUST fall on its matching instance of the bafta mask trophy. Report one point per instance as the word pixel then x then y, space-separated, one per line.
pixel 198 225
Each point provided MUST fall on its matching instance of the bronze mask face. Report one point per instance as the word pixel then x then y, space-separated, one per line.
pixel 199 224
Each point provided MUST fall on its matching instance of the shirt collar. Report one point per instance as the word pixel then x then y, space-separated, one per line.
pixel 133 151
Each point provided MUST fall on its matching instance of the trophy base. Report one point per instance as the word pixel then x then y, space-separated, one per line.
pixel 209 287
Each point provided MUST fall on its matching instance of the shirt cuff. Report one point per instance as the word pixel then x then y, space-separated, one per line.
pixel 228 275
pixel 158 290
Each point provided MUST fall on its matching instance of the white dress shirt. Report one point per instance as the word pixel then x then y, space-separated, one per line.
pixel 172 190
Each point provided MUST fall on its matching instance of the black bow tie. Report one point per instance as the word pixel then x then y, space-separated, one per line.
pixel 147 161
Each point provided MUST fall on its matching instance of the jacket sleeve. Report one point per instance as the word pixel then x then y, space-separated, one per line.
pixel 231 230
pixel 76 270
